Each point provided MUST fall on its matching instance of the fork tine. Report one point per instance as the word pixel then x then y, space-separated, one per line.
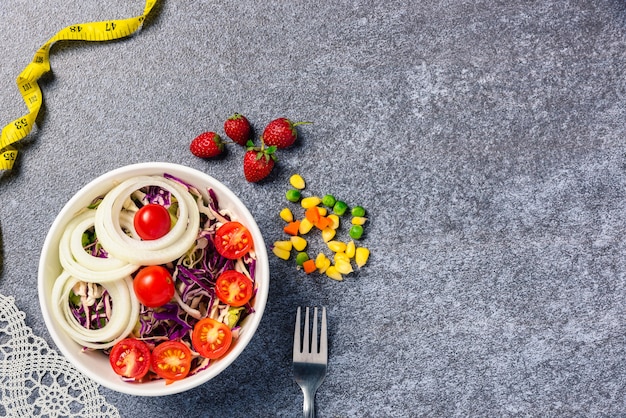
pixel 297 348
pixel 324 336
pixel 306 344
pixel 314 346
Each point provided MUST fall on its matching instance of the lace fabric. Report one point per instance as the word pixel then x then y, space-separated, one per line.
pixel 35 380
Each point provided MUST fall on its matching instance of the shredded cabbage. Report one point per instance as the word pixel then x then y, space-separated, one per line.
pixel 195 274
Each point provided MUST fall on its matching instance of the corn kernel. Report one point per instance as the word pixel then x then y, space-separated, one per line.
pixel 280 253
pixel 328 234
pixel 305 226
pixel 337 246
pixel 341 257
pixel 297 181
pixel 361 256
pixel 333 273
pixel 335 220
pixel 359 220
pixel 283 245
pixel 350 249
pixel 299 243
pixel 322 210
pixel 344 267
pixel 309 202
pixel 322 262
pixel 320 257
pixel 286 215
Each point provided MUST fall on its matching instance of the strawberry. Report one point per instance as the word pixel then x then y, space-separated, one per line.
pixel 281 132
pixel 238 129
pixel 258 162
pixel 207 145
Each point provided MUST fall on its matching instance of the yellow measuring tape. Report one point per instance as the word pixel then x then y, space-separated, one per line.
pixel 27 80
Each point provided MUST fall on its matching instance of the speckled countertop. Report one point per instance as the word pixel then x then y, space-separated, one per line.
pixel 485 139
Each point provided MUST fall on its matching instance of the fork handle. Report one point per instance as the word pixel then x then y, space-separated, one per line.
pixel 309 404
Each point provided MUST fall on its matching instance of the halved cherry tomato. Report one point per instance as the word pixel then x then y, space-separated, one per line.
pixel 130 358
pixel 233 288
pixel 211 338
pixel 171 360
pixel 154 286
pixel 152 221
pixel 233 240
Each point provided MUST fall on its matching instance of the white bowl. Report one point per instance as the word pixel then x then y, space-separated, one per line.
pixel 96 364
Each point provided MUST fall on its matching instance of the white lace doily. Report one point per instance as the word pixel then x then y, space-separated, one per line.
pixel 37 381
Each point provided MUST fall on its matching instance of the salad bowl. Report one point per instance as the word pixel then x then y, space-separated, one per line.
pixel 95 363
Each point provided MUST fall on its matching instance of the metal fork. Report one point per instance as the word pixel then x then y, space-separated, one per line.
pixel 309 358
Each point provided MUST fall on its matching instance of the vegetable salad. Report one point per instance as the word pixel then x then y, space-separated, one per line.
pixel 155 276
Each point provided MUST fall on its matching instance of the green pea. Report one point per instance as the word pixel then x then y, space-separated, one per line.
pixel 329 200
pixel 301 258
pixel 293 195
pixel 340 207
pixel 356 232
pixel 358 211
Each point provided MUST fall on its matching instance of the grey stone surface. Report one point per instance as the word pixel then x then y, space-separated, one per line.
pixel 485 139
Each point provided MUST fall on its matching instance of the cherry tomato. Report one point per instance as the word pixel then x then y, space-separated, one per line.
pixel 154 286
pixel 233 288
pixel 130 358
pixel 233 240
pixel 171 360
pixel 152 221
pixel 211 338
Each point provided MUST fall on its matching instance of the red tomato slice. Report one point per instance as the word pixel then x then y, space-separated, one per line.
pixel 233 240
pixel 152 221
pixel 171 360
pixel 211 338
pixel 233 288
pixel 130 358
pixel 154 286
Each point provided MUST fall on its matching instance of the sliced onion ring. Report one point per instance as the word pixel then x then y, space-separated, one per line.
pixel 84 266
pixel 132 249
pixel 124 315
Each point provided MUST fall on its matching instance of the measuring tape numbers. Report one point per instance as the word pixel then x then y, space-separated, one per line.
pixel 27 79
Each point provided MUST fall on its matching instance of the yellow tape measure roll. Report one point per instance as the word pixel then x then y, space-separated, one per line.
pixel 27 80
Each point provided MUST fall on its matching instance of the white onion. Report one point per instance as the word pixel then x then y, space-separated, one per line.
pixel 124 314
pixel 150 252
pixel 83 265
